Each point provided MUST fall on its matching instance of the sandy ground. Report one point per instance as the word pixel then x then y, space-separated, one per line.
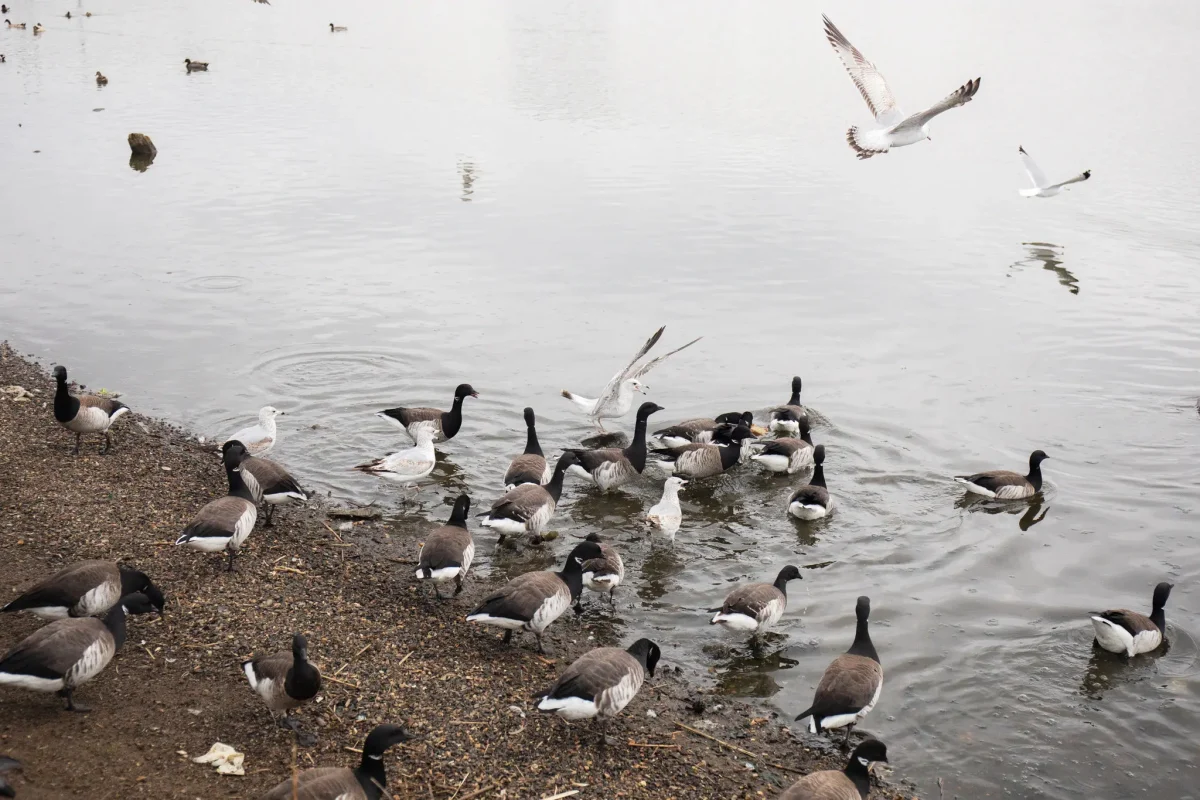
pixel 387 651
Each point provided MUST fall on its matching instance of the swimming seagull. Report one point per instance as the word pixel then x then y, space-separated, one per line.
pixel 409 465
pixel 895 130
pixel 617 397
pixel 1042 187
pixel 258 439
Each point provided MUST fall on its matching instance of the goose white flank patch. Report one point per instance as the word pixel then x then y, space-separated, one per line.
pixel 67 653
pixel 852 683
pixel 268 483
pixel 528 508
pixel 531 466
pixel 85 413
pixel 408 465
pixel 696 461
pixel 532 601
pixel 665 516
pixel 611 467
pixel 812 501
pixel 224 523
pixel 1001 484
pixel 893 128
pixel 367 781
pixel 851 783
pixel 785 454
pixel 786 418
pixel 601 682
pixel 85 589
pixel 285 681
pixel 444 424
pixel 1123 631
pixel 617 397
pixel 258 439
pixel 447 553
pixel 604 574
pixel 1041 185
pixel 756 607
pixel 700 430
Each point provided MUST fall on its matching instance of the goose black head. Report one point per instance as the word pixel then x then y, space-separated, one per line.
pixel 584 551
pixel 299 647
pixel 788 573
pixel 157 599
pixel 741 433
pixel 819 454
pixel 60 373
pixel 592 537
pixel 1036 458
pixel 646 409
pixel 568 458
pixel 1161 593
pixel 862 609
pixel 870 751
pixel 530 420
pixel 796 384
pixel 464 390
pixel 462 507
pixel 647 652
pixel 137 603
pixel 382 738
pixel 233 453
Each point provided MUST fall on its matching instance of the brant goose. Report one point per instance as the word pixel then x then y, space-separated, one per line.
pixel 603 574
pixel 852 783
pixel 786 454
pixel 756 607
pixel 269 483
pixel 444 424
pixel 1001 484
pixel 531 466
pixel 367 781
pixel 224 523
pixel 696 461
pixel 85 589
pixel 851 685
pixel 1131 633
pixel 611 467
pixel 528 507
pixel 812 501
pixel 786 418
pixel 699 431
pixel 447 553
pixel 285 681
pixel 87 413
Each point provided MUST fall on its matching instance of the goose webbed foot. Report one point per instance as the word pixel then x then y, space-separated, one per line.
pixel 108 444
pixel 508 637
pixel 78 708
pixel 458 586
pixel 231 567
pixel 269 521
pixel 78 437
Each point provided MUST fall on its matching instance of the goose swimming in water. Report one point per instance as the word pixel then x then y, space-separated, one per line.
pixel 851 783
pixel 812 501
pixel 1001 484
pixel 224 523
pixel 611 467
pixel 532 601
pixel 444 424
pixel 86 413
pixel 617 397
pixel 786 418
pixel 786 454
pixel 367 781
pixel 529 507
pixel 195 66
pixel 86 589
pixel 696 461
pixel 1123 631
pixel 700 430
pixel 604 574
pixel 531 466
pixel 852 683
pixel 258 439
pixel 67 653
pixel 756 607
pixel 447 553
pixel 665 516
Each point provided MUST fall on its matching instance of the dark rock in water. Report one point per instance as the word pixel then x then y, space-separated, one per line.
pixel 141 145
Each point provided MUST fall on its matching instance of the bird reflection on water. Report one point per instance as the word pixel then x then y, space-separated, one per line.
pixel 1032 512
pixel 1049 256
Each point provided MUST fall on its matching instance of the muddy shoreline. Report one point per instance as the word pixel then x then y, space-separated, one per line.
pixel 388 651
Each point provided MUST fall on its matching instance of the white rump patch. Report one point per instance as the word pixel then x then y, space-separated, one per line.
pixel 499 622
pixel 736 622
pixel 569 707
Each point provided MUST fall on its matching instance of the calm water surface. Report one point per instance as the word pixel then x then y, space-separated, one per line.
pixel 517 194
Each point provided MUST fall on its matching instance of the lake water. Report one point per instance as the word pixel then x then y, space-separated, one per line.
pixel 518 194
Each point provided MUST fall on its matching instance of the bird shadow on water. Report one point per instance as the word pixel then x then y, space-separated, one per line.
pixel 1032 512
pixel 1049 256
pixel 746 669
pixel 1107 670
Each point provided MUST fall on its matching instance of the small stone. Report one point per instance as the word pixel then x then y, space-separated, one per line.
pixel 650 713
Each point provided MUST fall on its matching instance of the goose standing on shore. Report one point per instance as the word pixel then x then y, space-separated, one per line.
pixel 696 461
pixel 67 653
pixel 86 413
pixel 268 483
pixel 851 783
pixel 786 418
pixel 285 681
pixel 1123 631
pixel 852 683
pixel 786 454
pixel 529 507
pixel 531 466
pixel 700 430
pixel 617 397
pixel 812 501
pixel 532 601
pixel 224 523
pixel 1001 484
pixel 756 607
pixel 604 574
pixel 258 439
pixel 409 465
pixel 85 589
pixel 665 516
pixel 611 467
pixel 367 781
pixel 447 553
pixel 444 424
pixel 600 683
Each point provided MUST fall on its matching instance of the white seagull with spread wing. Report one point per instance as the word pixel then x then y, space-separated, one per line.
pixel 895 130
pixel 1041 186
pixel 617 397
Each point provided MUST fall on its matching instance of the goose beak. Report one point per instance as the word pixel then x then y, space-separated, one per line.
pixel 474 394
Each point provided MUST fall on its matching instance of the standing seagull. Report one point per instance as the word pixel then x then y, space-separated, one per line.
pixel 87 413
pixel 1041 186
pixel 852 682
pixel 409 465
pixel 617 397
pixel 895 130
pixel 258 439
pixel 665 516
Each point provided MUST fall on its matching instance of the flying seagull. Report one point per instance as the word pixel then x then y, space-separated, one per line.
pixel 1042 187
pixel 895 130
pixel 617 397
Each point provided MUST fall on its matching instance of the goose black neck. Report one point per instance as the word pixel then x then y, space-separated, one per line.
pixel 452 419
pixel 237 486
pixel 636 452
pixel 781 583
pixel 1035 476
pixel 856 771
pixel 555 486
pixel 303 680
pixel 1159 617
pixel 65 405
pixel 114 620
pixel 818 476
pixel 372 776
pixel 532 446
pixel 132 580
pixel 863 646
pixel 794 400
pixel 572 576
pixel 806 436
pixel 730 454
